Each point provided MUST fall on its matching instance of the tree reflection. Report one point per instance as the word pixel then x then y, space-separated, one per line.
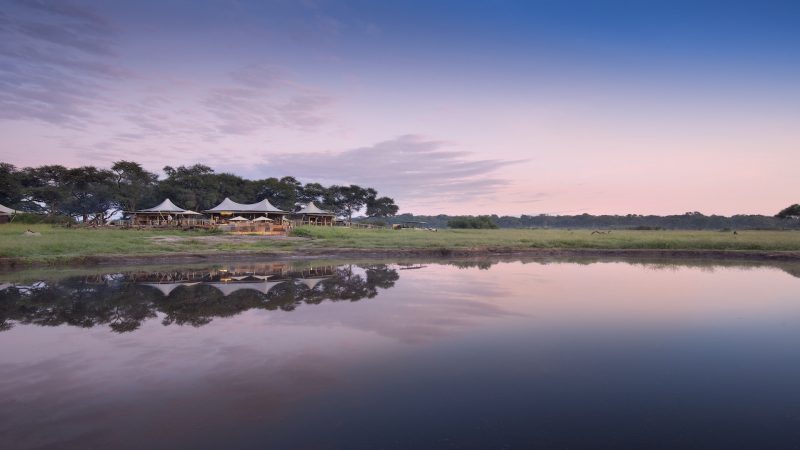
pixel 125 301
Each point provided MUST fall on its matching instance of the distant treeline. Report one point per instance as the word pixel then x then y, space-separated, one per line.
pixel 688 221
pixel 84 192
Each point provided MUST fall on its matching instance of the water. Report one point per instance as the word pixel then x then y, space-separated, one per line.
pixel 467 355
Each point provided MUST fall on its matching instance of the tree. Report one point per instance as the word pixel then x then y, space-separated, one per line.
pixel 133 184
pixel 381 207
pixel 11 193
pixel 46 187
pixel 90 191
pixel 313 193
pixel 283 193
pixel 347 199
pixel 790 212
pixel 190 187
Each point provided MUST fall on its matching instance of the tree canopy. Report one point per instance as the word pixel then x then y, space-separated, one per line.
pixel 790 212
pixel 87 192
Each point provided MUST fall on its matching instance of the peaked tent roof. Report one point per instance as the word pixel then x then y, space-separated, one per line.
pixel 167 288
pixel 167 206
pixel 229 205
pixel 311 208
pixel 6 210
pixel 312 282
pixel 229 288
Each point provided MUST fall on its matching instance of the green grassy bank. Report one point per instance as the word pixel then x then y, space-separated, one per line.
pixel 61 245
pixel 554 238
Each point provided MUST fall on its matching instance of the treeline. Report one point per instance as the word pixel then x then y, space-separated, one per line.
pixel 687 221
pixel 85 192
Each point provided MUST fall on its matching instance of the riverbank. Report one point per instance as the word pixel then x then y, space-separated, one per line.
pixel 62 246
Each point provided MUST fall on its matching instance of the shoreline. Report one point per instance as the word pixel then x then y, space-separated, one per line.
pixel 11 263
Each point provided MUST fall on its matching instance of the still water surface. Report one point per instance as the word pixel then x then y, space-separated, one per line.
pixel 467 355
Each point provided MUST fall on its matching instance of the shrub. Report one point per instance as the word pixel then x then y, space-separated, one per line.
pixel 374 222
pixel 29 218
pixel 301 232
pixel 479 222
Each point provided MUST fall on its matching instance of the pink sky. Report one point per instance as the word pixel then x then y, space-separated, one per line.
pixel 479 113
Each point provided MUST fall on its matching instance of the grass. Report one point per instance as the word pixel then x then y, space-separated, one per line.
pixel 520 238
pixel 58 242
pixel 60 245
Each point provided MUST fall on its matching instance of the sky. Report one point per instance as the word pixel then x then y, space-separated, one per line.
pixel 457 107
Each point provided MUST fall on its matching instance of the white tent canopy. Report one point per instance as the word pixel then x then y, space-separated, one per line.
pixel 229 288
pixel 167 207
pixel 311 208
pixel 262 219
pixel 230 206
pixel 239 219
pixel 167 288
pixel 4 210
pixel 312 282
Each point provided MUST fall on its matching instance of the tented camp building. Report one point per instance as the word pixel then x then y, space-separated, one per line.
pixel 313 215
pixel 6 214
pixel 229 209
pixel 166 214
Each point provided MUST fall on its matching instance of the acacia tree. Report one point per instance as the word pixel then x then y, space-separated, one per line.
pixel 790 212
pixel 313 193
pixel 89 192
pixel 132 184
pixel 347 199
pixel 190 187
pixel 284 193
pixel 11 193
pixel 381 207
pixel 45 187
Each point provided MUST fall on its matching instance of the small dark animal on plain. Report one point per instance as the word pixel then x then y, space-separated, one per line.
pixel 600 232
pixel 735 233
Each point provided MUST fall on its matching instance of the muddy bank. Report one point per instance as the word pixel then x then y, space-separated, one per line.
pixel 321 253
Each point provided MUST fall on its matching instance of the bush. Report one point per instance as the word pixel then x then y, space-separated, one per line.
pixel 301 232
pixel 480 222
pixel 375 223
pixel 29 218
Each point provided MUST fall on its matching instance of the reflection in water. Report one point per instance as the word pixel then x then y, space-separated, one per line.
pixel 450 354
pixel 189 297
pixel 124 300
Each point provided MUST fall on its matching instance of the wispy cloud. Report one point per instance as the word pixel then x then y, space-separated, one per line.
pixel 60 64
pixel 407 167
pixel 262 97
pixel 69 10
pixel 54 60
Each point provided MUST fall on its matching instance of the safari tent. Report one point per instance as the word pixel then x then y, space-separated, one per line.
pixel 165 213
pixel 229 209
pixel 313 215
pixel 6 214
